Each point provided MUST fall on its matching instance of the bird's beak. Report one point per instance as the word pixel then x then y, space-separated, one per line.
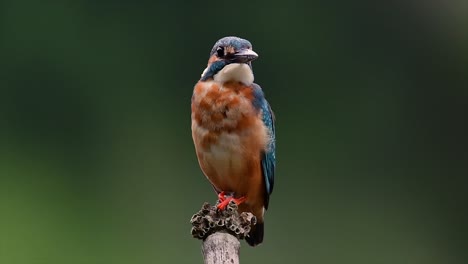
pixel 244 56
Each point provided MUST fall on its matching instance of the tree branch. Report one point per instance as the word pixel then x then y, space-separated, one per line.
pixel 221 231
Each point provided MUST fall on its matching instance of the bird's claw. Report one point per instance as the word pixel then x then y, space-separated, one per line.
pixel 224 201
pixel 222 196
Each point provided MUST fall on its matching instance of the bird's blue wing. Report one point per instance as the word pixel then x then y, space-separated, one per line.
pixel 268 158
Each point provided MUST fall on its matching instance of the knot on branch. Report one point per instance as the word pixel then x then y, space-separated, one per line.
pixel 210 220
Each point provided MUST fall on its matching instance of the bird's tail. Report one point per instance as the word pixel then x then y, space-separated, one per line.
pixel 256 235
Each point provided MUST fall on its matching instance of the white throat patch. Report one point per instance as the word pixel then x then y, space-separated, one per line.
pixel 239 72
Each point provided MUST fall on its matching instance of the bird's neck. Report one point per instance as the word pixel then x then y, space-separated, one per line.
pixel 235 72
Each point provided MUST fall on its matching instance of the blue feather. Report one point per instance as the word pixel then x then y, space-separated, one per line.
pixel 214 68
pixel 268 158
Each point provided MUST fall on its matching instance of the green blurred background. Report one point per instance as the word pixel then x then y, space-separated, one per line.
pixel 96 157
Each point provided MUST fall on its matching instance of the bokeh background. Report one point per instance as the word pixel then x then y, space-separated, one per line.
pixel 96 157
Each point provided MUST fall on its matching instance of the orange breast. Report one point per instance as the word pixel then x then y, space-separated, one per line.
pixel 229 136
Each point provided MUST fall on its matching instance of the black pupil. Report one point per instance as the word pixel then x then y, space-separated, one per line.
pixel 220 51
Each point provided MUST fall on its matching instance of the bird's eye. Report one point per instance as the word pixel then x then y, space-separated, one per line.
pixel 220 51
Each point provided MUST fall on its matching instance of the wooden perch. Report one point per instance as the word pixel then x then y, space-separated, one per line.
pixel 221 231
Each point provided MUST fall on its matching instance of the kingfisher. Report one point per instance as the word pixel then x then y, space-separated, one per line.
pixel 233 131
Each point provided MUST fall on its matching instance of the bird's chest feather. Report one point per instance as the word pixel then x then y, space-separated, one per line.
pixel 226 128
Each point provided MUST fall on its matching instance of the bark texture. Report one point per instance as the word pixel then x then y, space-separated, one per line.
pixel 221 247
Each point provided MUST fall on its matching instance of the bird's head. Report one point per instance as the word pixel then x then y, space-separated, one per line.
pixel 230 59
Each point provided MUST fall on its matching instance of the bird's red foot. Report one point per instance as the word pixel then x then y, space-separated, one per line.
pixel 224 201
pixel 221 197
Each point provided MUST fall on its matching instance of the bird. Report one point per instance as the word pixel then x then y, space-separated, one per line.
pixel 233 130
